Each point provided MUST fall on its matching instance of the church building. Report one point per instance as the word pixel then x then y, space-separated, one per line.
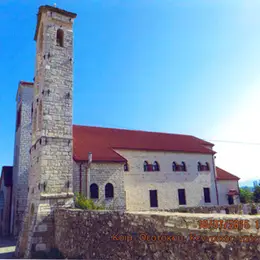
pixel 122 169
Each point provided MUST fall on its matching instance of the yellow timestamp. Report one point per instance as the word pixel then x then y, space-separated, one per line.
pixel 230 224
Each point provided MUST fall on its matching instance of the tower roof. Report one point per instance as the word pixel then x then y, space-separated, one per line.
pixel 45 8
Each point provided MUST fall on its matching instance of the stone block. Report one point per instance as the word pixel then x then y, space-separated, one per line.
pixel 40 247
pixel 42 228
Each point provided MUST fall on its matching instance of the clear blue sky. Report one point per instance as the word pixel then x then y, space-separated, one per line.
pixel 160 65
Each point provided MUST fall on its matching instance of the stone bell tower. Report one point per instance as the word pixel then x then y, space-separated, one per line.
pixel 50 175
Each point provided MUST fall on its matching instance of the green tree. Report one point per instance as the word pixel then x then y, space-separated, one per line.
pixel 256 194
pixel 246 196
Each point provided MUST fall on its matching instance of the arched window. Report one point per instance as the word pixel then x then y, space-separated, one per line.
pixel 207 166
pixel 183 166
pixel 93 191
pixel 174 166
pixel 156 166
pixel 145 166
pixel 126 168
pixel 109 191
pixel 60 38
pixel 199 166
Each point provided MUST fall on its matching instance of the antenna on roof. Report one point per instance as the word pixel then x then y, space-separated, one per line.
pixel 54 4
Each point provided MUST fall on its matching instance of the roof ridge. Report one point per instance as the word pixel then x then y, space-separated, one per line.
pixel 136 130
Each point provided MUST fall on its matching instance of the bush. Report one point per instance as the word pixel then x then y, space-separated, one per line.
pixel 182 210
pixel 83 202
pixel 246 196
pixel 253 209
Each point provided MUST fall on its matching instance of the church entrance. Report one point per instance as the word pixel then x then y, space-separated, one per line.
pixel 230 200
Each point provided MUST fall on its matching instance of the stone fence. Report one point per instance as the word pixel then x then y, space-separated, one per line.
pixel 227 209
pixel 99 235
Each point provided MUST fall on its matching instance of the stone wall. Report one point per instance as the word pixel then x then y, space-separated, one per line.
pixel 21 157
pixel 240 209
pixel 167 182
pixel 117 235
pixel 229 209
pixel 223 188
pixel 113 173
pixel 51 172
pixel 77 167
pixel 101 174
pixel 5 212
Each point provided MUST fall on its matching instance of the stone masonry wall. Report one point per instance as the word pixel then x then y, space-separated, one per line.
pixel 223 188
pixel 228 209
pixel 4 229
pixel 76 176
pixel 101 174
pixel 166 181
pixel 22 160
pixel 240 209
pixel 51 173
pixel 135 235
pixel 113 173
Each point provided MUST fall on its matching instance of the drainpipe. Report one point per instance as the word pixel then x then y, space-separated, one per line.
pixel 215 177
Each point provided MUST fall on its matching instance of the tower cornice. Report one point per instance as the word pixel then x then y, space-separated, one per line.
pixel 45 8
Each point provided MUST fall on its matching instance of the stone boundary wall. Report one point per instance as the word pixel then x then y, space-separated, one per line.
pixel 227 209
pixel 99 235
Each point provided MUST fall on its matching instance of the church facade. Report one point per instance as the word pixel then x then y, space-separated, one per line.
pixel 122 169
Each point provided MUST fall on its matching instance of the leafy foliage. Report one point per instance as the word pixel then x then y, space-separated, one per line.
pixel 246 196
pixel 253 209
pixel 83 202
pixel 256 194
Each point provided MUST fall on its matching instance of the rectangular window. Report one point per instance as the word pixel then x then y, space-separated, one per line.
pixel 207 195
pixel 153 199
pixel 182 197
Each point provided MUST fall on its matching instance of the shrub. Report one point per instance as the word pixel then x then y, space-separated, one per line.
pixel 82 202
pixel 182 210
pixel 253 209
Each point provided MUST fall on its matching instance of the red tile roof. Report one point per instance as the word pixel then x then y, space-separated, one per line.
pixel 232 192
pixel 25 83
pixel 224 175
pixel 101 142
